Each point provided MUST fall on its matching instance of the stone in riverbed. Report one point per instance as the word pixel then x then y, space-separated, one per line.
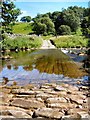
pixel 69 117
pixel 23 92
pixel 25 96
pixel 7 116
pixel 79 99
pixel 44 95
pixel 19 114
pixel 56 100
pixel 49 113
pixel 59 88
pixel 61 105
pixel 4 112
pixel 27 103
pixel 83 115
pixel 75 110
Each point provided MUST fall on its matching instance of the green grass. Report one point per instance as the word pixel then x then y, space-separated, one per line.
pixel 70 41
pixel 22 28
pixel 21 42
pixel 46 37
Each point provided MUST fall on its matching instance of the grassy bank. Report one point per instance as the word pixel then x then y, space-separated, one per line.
pixel 22 28
pixel 70 41
pixel 21 42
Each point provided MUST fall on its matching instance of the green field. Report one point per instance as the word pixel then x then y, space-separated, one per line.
pixel 22 28
pixel 68 41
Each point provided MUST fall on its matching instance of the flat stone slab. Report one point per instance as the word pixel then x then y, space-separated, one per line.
pixel 79 99
pixel 56 100
pixel 83 115
pixel 23 92
pixel 60 88
pixel 7 116
pixel 48 112
pixel 27 104
pixel 19 114
pixel 61 105
pixel 44 95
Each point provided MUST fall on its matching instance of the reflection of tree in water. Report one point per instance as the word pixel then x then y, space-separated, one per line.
pixel 48 61
pixel 5 80
pixel 15 67
pixel 58 65
pixel 28 67
pixel 9 67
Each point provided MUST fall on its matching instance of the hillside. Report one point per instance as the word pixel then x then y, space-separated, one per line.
pixel 22 28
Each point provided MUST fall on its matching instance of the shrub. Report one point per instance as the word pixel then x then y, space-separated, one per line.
pixel 64 30
pixel 21 42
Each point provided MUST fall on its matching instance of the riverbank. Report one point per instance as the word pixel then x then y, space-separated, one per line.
pixel 50 100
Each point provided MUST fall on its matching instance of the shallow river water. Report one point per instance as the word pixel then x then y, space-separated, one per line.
pixel 40 66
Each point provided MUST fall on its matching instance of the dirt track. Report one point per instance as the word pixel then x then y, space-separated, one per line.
pixel 47 45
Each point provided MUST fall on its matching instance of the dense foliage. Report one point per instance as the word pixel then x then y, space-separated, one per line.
pixel 73 17
pixel 70 21
pixel 43 25
pixel 67 21
pixel 9 15
pixel 26 19
pixel 64 30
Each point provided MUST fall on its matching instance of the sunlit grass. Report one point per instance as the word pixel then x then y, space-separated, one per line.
pixel 70 41
pixel 22 28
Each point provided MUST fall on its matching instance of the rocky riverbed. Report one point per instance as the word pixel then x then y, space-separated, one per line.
pixel 50 100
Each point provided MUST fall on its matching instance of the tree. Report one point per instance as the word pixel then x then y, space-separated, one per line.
pixel 70 19
pixel 40 28
pixel 26 19
pixel 9 14
pixel 64 30
pixel 78 11
pixel 43 25
pixel 55 15
pixel 86 26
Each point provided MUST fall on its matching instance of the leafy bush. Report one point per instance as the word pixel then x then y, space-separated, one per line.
pixel 21 42
pixel 64 30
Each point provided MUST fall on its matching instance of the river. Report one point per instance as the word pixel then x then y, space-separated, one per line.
pixel 40 66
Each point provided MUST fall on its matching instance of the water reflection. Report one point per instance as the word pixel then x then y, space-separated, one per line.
pixel 45 65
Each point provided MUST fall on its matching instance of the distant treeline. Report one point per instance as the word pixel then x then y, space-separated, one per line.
pixel 64 22
pixel 68 21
